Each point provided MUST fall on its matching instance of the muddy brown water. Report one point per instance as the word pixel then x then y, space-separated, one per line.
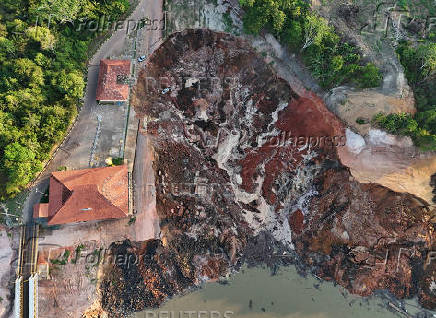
pixel 254 293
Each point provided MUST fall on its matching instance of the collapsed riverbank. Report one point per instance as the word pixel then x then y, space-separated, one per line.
pixel 227 193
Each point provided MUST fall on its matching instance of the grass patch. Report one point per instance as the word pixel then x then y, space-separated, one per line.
pixel 62 260
pixel 132 220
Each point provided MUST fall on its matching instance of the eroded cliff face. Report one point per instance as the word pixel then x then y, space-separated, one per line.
pixel 247 170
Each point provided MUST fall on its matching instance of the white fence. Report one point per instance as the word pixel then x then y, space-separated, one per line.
pixel 33 296
pixel 18 302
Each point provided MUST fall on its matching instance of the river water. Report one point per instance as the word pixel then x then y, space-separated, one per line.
pixel 255 293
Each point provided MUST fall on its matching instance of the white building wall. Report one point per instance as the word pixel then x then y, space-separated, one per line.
pixel 33 296
pixel 18 309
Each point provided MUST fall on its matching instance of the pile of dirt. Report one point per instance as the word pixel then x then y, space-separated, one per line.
pixel 375 238
pixel 246 169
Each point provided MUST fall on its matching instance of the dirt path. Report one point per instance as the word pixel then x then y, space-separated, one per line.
pixel 147 220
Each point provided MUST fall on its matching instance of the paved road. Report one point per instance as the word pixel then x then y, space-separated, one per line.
pixel 75 152
pixel 147 222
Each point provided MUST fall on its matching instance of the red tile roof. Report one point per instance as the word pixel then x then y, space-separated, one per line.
pixel 89 194
pixel 108 88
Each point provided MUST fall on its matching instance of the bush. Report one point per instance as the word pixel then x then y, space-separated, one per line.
pixel 63 260
pixel 427 120
pixel 132 220
pixel 369 76
pixel 361 121
pixel 426 142
pixel 405 124
pixel 400 124
pixel 292 34
pixel 117 161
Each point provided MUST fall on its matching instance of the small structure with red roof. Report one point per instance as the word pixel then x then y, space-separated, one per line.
pixel 86 195
pixel 113 79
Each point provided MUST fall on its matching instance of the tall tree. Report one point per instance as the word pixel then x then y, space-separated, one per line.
pixel 42 35
pixel 20 165
pixel 427 57
pixel 315 29
pixel 71 84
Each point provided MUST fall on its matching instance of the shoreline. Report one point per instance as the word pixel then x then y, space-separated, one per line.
pixel 307 292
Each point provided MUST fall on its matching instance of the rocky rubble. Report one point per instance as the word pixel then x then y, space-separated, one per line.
pixel 248 170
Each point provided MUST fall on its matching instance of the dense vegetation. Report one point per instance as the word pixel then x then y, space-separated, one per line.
pixel 331 60
pixel 420 67
pixel 42 63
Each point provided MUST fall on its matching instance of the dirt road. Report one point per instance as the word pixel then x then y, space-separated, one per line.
pixel 147 220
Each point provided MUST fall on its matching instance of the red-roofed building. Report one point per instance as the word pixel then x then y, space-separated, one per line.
pixel 112 83
pixel 86 195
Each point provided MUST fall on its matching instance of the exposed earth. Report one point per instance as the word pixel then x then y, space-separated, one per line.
pixel 393 163
pixel 235 184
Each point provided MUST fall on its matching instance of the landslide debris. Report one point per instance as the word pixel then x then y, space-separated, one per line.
pixel 235 183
